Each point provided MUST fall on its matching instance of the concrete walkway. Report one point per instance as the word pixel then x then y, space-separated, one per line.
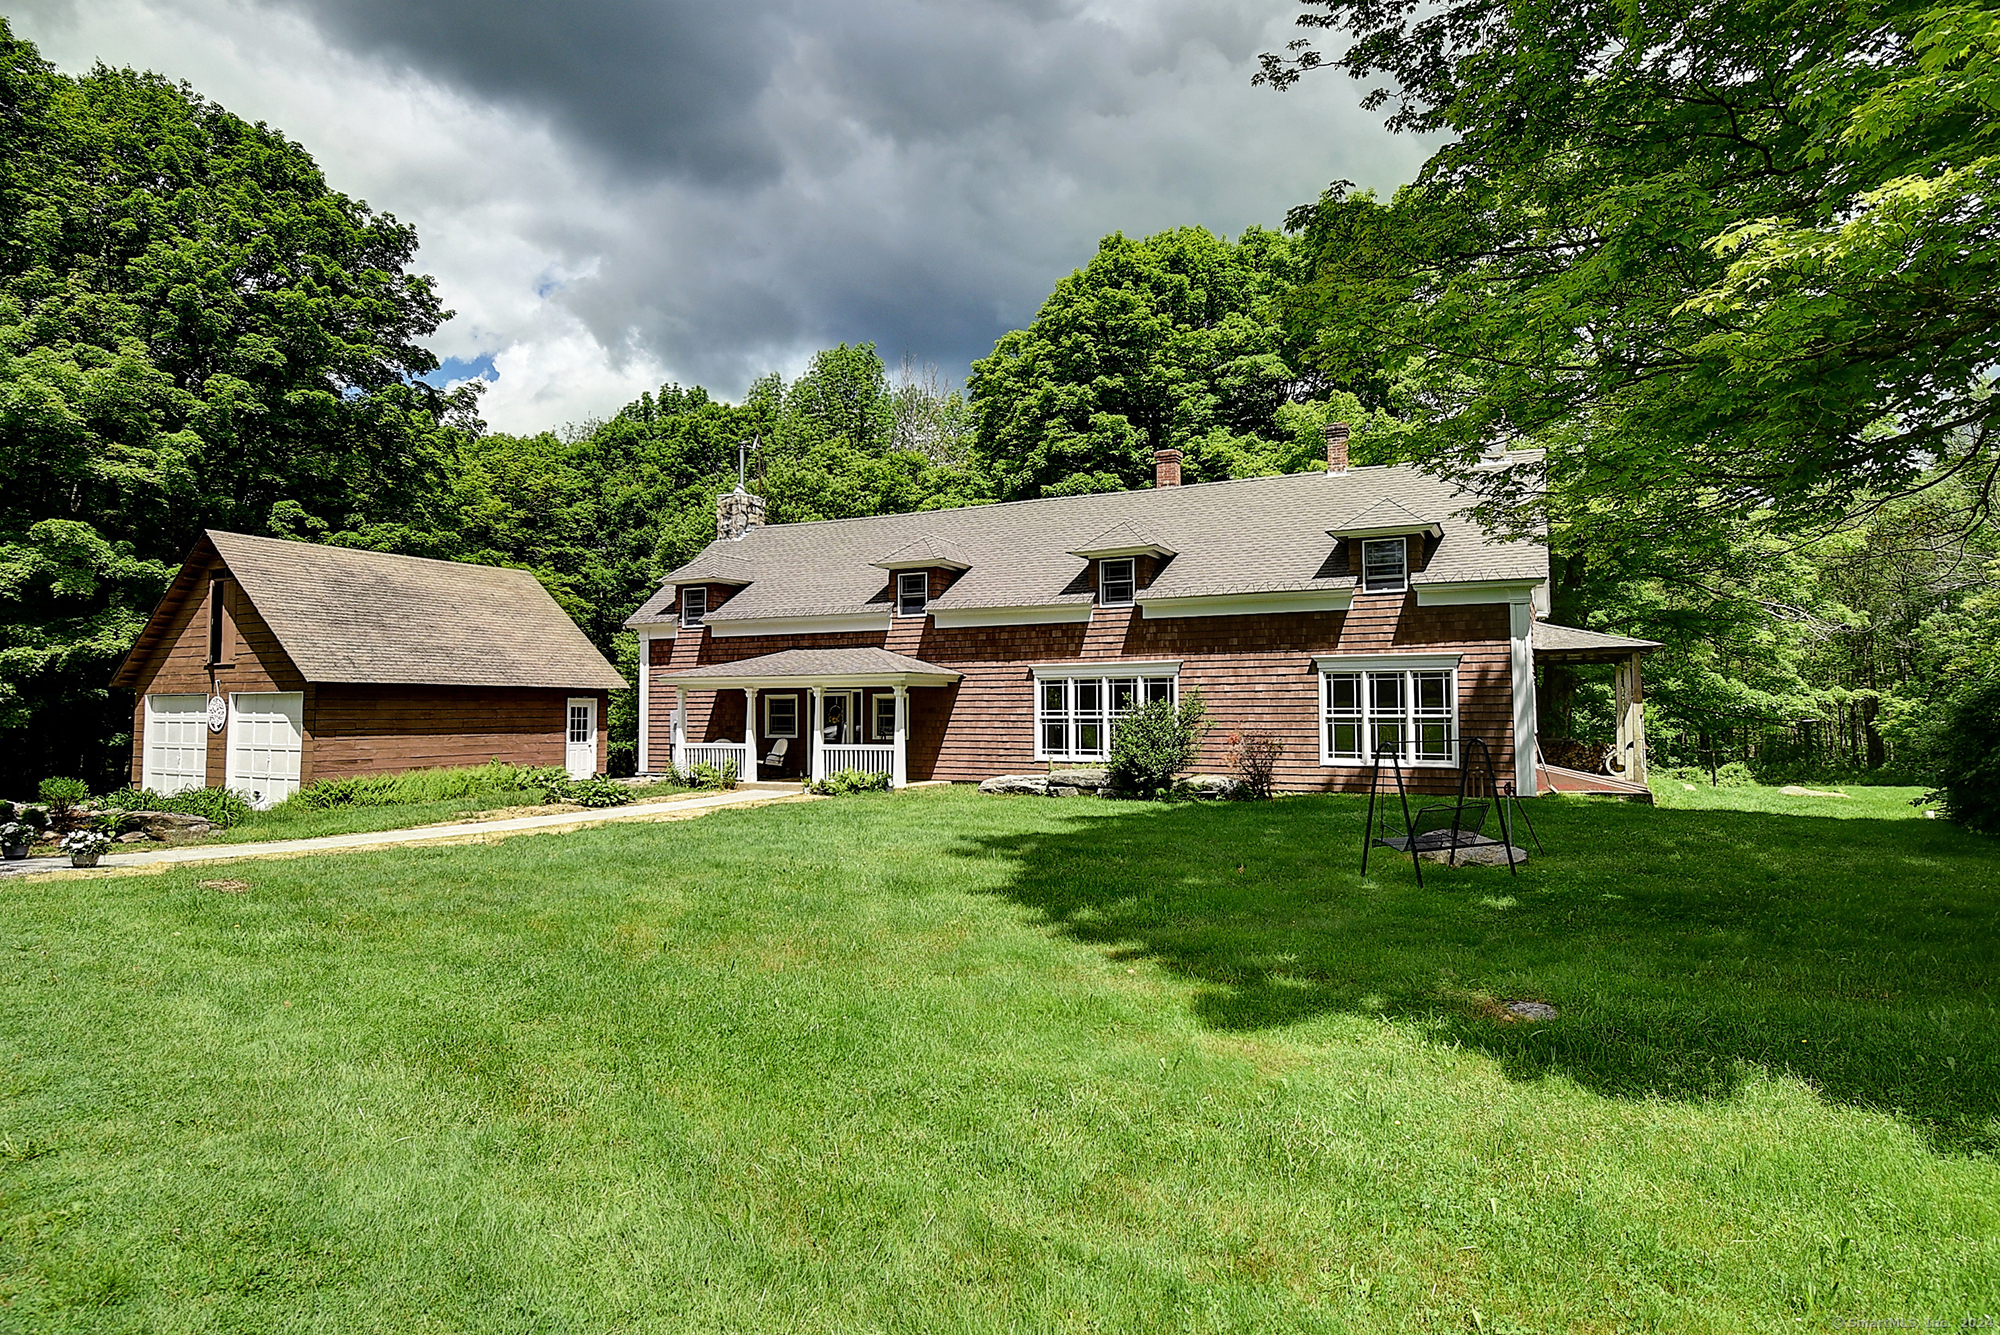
pixel 465 832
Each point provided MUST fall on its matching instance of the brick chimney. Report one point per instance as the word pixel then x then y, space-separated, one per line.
pixel 737 512
pixel 1166 468
pixel 1336 447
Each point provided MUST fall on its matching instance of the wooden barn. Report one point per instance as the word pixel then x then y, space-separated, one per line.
pixel 270 664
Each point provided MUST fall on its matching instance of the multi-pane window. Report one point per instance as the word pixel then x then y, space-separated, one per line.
pixel 579 723
pixel 694 605
pixel 781 716
pixel 1409 713
pixel 1076 717
pixel 1385 565
pixel 885 718
pixel 1117 581
pixel 913 591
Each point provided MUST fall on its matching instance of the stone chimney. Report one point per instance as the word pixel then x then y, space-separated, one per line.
pixel 1336 447
pixel 1166 468
pixel 737 512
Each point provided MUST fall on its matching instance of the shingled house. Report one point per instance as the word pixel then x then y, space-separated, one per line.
pixel 269 664
pixel 1328 608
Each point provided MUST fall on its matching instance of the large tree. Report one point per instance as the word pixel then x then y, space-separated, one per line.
pixel 1156 343
pixel 195 329
pixel 1724 260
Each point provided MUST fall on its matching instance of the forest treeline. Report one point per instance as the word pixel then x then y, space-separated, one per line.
pixel 1708 273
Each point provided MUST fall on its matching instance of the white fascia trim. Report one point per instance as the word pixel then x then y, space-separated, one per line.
pixel 1136 549
pixel 655 630
pixel 839 622
pixel 1467 592
pixel 1109 667
pixel 1388 531
pixel 837 683
pixel 1247 604
pixel 953 618
pixel 1386 663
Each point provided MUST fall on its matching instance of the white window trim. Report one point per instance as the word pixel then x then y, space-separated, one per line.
pixel 1383 664
pixel 690 589
pixel 876 734
pixel 770 730
pixel 1132 563
pixel 923 606
pixel 1402 584
pixel 1103 673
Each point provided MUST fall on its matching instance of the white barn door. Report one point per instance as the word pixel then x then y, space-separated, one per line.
pixel 580 744
pixel 174 755
pixel 266 733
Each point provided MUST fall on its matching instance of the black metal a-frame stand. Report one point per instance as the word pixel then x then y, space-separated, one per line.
pixel 1447 827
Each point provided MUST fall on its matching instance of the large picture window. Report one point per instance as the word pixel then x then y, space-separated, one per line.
pixel 1077 715
pixel 1408 710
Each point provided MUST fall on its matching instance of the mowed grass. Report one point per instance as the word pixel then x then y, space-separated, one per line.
pixel 940 1062
pixel 288 820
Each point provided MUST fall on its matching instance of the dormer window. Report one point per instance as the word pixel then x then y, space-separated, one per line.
pixel 1117 581
pixel 1385 565
pixel 913 592
pixel 694 605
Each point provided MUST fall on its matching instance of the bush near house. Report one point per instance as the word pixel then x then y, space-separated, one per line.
pixel 1156 743
pixel 840 783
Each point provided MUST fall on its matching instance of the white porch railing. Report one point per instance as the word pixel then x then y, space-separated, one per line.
pixel 867 759
pixel 718 754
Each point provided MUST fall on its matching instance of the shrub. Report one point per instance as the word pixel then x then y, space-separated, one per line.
pixel 62 797
pixel 1253 758
pixel 449 784
pixel 842 782
pixel 621 759
pixel 1155 743
pixel 1967 756
pixel 217 806
pixel 596 791
pixel 719 777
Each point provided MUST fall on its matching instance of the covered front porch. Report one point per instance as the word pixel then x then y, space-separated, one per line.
pixel 1625 764
pixel 808 713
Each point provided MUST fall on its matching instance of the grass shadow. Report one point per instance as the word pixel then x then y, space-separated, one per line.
pixel 1681 947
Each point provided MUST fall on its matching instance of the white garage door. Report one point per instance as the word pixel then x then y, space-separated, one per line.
pixel 264 737
pixel 175 754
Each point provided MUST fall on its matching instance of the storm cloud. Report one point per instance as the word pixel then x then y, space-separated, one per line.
pixel 615 193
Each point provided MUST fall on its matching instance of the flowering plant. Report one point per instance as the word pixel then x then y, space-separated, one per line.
pixel 14 833
pixel 85 841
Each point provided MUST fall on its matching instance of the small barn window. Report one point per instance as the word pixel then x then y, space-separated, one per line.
pixel 1385 565
pixel 215 622
pixel 694 605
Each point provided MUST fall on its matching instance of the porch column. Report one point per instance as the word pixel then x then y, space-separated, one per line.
pixel 818 768
pixel 1631 695
pixel 1526 726
pixel 645 759
pixel 899 764
pixel 750 734
pixel 680 727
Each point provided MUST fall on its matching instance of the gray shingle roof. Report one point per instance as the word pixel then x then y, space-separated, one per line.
pixel 814 663
pixel 1549 638
pixel 1121 539
pixel 344 615
pixel 1384 514
pixel 924 551
pixel 1256 535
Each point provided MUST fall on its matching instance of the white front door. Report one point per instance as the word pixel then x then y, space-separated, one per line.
pixel 580 749
pixel 266 736
pixel 174 755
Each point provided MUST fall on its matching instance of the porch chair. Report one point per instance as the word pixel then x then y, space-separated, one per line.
pixel 776 759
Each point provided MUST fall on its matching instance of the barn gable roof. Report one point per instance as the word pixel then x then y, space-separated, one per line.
pixel 344 615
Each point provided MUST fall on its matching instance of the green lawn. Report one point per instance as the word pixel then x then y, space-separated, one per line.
pixel 942 1062
pixel 286 821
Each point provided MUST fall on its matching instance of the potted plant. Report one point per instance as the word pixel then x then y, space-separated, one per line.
pixel 15 836
pixel 85 846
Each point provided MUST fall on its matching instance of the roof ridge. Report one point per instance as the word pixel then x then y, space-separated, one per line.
pixel 213 533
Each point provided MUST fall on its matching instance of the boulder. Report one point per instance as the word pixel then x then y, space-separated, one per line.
pixel 163 826
pixel 1064 790
pixel 1793 790
pixel 1208 785
pixel 1081 778
pixel 1036 784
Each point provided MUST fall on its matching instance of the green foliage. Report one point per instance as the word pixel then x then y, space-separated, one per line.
pixel 597 791
pixel 413 787
pixel 62 797
pixel 1171 341
pixel 719 778
pixel 195 331
pixel 220 807
pixel 843 782
pixel 1253 758
pixel 1966 758
pixel 1155 743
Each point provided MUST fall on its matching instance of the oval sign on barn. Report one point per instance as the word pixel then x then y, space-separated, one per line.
pixel 218 713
